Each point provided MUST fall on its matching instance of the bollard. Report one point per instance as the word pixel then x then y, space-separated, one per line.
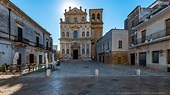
pixel 48 71
pixel 96 72
pixel 138 72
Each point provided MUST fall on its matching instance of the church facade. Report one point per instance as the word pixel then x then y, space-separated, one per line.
pixel 79 36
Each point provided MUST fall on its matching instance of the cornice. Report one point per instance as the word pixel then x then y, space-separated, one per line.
pixel 19 12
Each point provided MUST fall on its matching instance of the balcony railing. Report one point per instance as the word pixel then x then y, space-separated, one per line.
pixel 41 46
pixel 4 35
pixel 153 36
pixel 21 39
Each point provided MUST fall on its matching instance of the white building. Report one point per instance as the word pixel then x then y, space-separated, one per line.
pixel 152 42
pixel 112 48
pixel 19 33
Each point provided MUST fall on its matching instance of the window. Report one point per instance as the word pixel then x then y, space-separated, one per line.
pixel 87 34
pixel 93 16
pixel 107 45
pixel 143 35
pixel 75 20
pixel 67 34
pixel 83 51
pixel 75 34
pixel 168 27
pixel 120 44
pixel 67 51
pixel 47 45
pixel 63 34
pixel 37 40
pixel 67 19
pixel 83 18
pixel 83 34
pixel 155 56
pixel 20 34
pixel 133 23
pixel 98 16
pixel 63 51
pixel 132 39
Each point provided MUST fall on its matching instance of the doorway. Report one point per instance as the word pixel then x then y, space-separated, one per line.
pixel 132 58
pixel 168 57
pixel 31 57
pixel 75 54
pixel 119 60
pixel 142 59
pixel 40 59
pixel 19 60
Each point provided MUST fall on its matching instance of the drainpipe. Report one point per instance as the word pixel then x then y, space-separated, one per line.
pixel 9 23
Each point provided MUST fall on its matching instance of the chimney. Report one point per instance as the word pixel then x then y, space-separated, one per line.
pixel 85 10
pixel 65 10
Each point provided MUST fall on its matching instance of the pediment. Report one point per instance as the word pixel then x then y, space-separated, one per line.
pixel 75 11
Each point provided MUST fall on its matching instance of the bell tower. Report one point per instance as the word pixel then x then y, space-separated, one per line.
pixel 96 23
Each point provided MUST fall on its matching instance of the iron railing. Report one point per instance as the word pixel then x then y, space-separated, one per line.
pixel 153 36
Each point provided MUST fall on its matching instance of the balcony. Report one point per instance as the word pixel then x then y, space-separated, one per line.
pixel 154 37
pixel 21 39
pixel 41 46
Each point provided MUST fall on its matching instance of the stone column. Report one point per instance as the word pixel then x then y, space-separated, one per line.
pixel 80 50
pixel 69 50
pixel 61 55
pixel 81 32
pixel 90 50
pixel 65 50
pixel 85 32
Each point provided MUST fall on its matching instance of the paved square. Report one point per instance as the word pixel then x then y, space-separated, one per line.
pixel 78 78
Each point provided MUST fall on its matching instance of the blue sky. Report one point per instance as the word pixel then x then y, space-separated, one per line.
pixel 47 13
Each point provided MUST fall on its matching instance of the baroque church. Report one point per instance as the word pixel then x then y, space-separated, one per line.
pixel 79 36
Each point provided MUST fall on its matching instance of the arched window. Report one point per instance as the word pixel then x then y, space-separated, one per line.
pixel 87 34
pixel 83 18
pixel 83 34
pixel 63 34
pixel 67 51
pixel 67 34
pixel 75 34
pixel 67 19
pixel 63 51
pixel 98 16
pixel 93 16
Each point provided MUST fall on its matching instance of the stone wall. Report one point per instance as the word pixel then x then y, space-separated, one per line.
pixel 114 57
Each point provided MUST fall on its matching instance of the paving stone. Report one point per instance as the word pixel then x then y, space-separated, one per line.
pixel 78 78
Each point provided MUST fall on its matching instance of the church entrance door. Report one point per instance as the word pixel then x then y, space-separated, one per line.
pixel 75 54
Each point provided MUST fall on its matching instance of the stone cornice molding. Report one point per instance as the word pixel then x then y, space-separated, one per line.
pixel 19 12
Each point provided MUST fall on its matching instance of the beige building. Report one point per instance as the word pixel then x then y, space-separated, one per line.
pixel 112 48
pixel 78 36
pixel 151 45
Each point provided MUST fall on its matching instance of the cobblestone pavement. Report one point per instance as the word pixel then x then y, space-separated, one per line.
pixel 78 78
